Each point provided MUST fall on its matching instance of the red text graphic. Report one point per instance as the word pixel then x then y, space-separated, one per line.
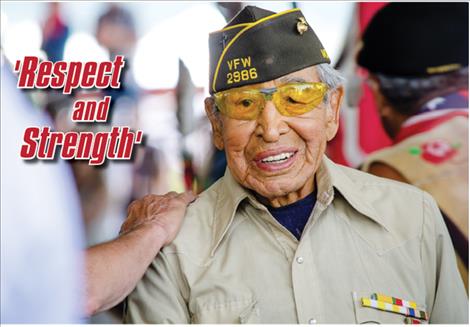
pixel 42 143
pixel 91 110
pixel 68 76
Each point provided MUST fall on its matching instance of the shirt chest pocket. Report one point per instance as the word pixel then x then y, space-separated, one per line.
pixel 237 310
pixel 374 316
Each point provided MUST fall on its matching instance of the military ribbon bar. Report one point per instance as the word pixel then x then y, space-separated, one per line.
pixel 384 306
pixel 394 300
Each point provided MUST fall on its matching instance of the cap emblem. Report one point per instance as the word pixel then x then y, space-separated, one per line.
pixel 302 25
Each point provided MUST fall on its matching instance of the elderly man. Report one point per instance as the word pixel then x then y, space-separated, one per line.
pixel 287 236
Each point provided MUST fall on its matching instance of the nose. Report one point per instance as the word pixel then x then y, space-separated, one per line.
pixel 271 124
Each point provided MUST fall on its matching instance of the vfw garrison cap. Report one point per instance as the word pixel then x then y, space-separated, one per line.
pixel 258 45
pixel 416 39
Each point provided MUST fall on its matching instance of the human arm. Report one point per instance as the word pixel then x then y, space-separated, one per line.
pixel 114 268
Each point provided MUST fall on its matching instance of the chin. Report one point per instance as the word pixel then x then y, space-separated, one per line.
pixel 278 187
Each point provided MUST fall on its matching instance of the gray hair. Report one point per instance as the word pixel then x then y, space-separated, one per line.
pixel 331 77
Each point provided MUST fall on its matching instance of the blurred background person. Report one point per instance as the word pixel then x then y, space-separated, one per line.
pixel 41 229
pixel 115 33
pixel 417 58
pixel 55 33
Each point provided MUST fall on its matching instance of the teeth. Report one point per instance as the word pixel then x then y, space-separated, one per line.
pixel 278 158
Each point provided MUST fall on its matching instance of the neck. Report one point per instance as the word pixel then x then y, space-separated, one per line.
pixel 396 124
pixel 291 197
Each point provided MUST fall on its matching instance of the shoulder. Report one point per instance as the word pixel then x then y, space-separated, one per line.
pixel 401 208
pixel 384 189
pixel 363 179
pixel 195 236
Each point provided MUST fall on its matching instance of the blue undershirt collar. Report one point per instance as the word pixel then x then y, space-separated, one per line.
pixel 294 216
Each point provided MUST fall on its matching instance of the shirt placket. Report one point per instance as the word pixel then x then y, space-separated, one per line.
pixel 308 298
pixel 283 236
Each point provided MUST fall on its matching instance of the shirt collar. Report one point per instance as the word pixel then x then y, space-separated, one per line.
pixel 353 191
pixel 229 198
pixel 328 178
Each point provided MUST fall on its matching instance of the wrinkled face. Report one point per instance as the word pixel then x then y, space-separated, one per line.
pixel 276 155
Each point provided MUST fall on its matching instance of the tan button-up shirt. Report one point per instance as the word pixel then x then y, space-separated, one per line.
pixel 232 262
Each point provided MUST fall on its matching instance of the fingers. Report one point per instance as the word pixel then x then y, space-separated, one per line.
pixel 133 206
pixel 171 194
pixel 151 205
pixel 187 197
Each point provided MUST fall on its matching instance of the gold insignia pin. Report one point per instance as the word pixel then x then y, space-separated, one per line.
pixel 302 25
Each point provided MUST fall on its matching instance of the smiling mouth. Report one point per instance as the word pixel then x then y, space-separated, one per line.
pixel 276 160
pixel 279 158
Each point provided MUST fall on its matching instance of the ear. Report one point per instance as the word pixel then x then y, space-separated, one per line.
pixel 334 106
pixel 384 108
pixel 216 123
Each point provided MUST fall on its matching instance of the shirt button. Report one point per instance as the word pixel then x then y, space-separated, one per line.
pixel 312 321
pixel 300 260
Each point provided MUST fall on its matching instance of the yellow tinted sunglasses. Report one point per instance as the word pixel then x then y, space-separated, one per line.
pixel 293 99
